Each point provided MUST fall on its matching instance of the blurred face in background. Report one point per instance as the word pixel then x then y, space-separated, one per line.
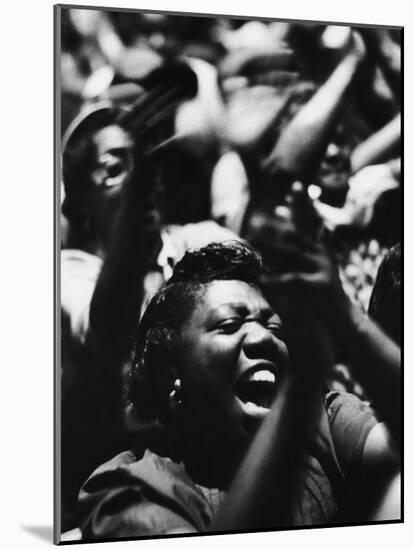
pixel 111 169
pixel 335 169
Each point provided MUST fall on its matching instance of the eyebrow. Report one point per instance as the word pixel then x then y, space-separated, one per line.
pixel 241 308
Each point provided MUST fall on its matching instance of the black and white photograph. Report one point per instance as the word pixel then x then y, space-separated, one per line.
pixel 229 238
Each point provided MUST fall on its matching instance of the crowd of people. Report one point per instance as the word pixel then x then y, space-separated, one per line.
pixel 230 274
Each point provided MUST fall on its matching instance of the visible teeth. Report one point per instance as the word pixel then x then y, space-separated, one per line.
pixel 263 376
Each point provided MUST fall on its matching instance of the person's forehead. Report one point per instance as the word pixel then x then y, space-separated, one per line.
pixel 111 137
pixel 222 293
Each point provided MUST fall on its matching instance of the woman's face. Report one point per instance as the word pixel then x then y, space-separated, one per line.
pixel 233 359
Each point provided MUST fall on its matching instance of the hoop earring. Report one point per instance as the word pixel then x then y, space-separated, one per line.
pixel 175 397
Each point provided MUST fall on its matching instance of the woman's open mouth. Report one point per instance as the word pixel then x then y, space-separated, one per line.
pixel 256 391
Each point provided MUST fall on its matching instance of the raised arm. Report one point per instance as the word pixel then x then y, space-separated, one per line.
pixel 376 363
pixel 135 241
pixel 263 490
pixel 300 147
pixel 375 360
pixel 379 146
pixel 118 293
pixel 387 54
pixel 373 356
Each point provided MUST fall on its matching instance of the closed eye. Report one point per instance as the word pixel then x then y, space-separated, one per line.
pixel 229 326
pixel 275 329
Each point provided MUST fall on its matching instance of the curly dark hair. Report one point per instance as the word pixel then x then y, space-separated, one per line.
pixel 156 352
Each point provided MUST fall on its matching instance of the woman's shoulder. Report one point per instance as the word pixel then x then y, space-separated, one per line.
pixel 133 465
pixel 350 420
pixel 343 405
pixel 145 488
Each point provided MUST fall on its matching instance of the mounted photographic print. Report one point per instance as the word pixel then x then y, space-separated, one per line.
pixel 228 274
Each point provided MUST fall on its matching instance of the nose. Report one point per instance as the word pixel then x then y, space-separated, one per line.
pixel 259 342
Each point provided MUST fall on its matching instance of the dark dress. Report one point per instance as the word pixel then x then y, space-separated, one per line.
pixel 144 494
